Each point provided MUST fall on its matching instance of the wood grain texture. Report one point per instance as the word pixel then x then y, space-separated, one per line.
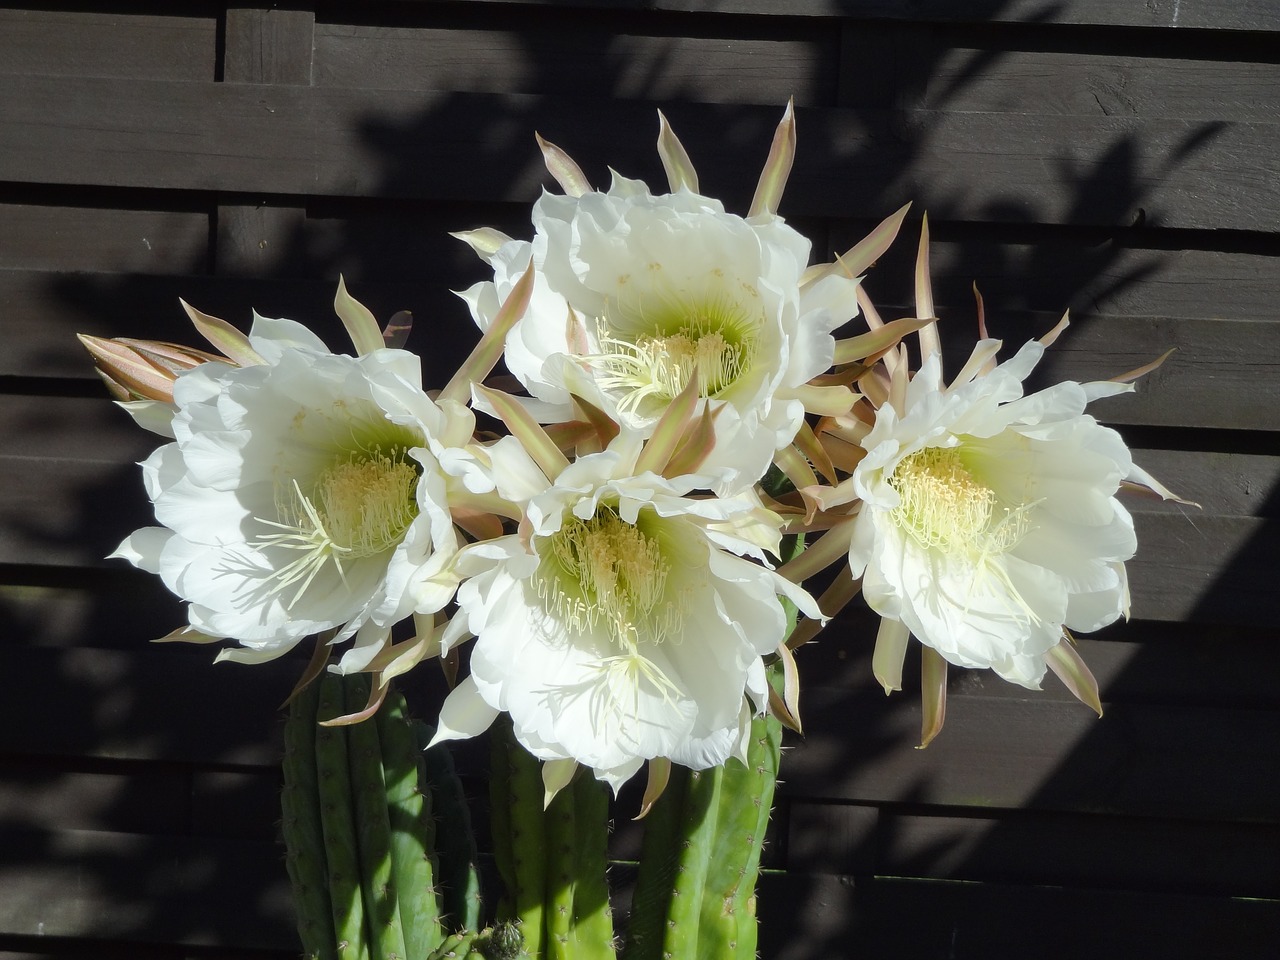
pixel 805 916
pixel 1199 14
pixel 268 46
pixel 100 44
pixel 1115 158
pixel 287 139
pixel 547 58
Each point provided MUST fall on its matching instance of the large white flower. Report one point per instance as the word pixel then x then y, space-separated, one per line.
pixel 989 519
pixel 302 494
pixel 622 623
pixel 635 293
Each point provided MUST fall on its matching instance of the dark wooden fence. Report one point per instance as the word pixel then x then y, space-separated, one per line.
pixel 1118 157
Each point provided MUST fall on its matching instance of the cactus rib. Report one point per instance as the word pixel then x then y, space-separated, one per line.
pixel 303 834
pixel 334 790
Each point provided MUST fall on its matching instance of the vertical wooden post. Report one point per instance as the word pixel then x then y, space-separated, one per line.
pixel 266 46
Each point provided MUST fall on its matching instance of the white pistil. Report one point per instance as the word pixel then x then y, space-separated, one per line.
pixel 359 507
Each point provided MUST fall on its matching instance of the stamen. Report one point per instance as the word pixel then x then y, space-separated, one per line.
pixel 359 507
pixel 606 572
pixel 945 508
pixel 644 355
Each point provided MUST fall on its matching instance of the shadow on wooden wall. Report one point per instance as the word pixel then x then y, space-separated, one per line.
pixel 140 781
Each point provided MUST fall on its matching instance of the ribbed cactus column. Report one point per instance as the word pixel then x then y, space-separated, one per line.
pixel 695 897
pixel 358 828
pixel 552 860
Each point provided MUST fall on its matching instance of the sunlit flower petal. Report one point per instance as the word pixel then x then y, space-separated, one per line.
pixel 989 518
pixel 623 624
pixel 302 494
pixel 636 293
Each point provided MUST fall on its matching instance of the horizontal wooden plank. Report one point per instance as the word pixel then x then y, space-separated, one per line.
pixel 34 237
pixel 943 72
pixel 543 56
pixel 88 431
pixel 1144 662
pixel 118 607
pixel 995 753
pixel 152 889
pixel 91 44
pixel 1201 14
pixel 805 916
pixel 43 796
pixel 1004 753
pixel 140 798
pixel 1037 848
pixel 1232 859
pixel 1222 375
pixel 287 139
pixel 1090 273
pixel 170 704
pixel 45 310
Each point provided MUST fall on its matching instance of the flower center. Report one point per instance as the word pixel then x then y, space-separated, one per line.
pixel 944 507
pixel 644 356
pixel 360 506
pixel 606 572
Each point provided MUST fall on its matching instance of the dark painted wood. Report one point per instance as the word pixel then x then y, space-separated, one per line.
pixel 552 60
pixel 1202 14
pixel 1117 159
pixel 279 139
pixel 268 45
pixel 804 917
pixel 90 43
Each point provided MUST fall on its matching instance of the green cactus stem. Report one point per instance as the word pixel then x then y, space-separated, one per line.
pixel 373 828
pixel 699 823
pixel 528 839
pixel 592 910
pixel 459 875
pixel 412 830
pixel 338 827
pixel 727 923
pixel 303 834
pixel 560 825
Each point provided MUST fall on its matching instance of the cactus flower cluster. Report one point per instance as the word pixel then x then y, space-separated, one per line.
pixel 609 563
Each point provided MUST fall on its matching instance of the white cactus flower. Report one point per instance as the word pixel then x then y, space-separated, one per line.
pixel 989 519
pixel 636 293
pixel 622 623
pixel 302 494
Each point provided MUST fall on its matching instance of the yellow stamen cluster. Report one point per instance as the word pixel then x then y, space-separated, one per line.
pixel 359 507
pixel 606 572
pixel 945 508
pixel 646 355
